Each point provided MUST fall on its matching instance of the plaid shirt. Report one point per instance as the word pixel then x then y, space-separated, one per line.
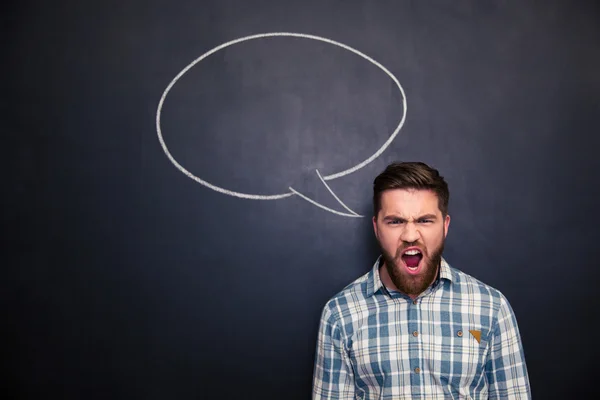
pixel 458 340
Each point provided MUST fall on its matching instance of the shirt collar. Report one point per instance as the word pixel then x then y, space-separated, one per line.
pixel 375 284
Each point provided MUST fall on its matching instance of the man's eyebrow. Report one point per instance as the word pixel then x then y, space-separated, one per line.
pixel 396 218
pixel 393 217
pixel 428 216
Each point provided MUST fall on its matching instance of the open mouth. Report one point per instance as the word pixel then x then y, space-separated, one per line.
pixel 412 259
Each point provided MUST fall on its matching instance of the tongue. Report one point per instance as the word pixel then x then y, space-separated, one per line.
pixel 412 261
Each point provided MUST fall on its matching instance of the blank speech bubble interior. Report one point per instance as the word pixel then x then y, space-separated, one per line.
pixel 306 104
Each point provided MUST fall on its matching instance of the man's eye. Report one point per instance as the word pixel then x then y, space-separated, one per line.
pixel 395 222
pixel 425 221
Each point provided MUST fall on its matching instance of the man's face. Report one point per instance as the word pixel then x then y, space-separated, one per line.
pixel 411 231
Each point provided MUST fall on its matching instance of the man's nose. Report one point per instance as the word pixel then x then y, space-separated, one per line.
pixel 410 233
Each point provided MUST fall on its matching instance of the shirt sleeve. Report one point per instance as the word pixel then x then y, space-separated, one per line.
pixel 506 370
pixel 333 377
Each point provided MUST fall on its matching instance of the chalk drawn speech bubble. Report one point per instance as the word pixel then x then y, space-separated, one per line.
pixel 292 191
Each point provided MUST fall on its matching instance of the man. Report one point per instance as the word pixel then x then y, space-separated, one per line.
pixel 414 327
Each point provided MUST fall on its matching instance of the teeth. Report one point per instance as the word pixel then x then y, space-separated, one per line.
pixel 412 252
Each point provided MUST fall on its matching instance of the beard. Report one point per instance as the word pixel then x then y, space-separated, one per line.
pixel 413 285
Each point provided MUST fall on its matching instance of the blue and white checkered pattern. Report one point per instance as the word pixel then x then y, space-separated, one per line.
pixel 458 340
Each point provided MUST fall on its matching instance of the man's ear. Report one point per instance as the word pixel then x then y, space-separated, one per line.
pixel 446 225
pixel 375 227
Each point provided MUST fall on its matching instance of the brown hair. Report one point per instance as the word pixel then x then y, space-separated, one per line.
pixel 411 175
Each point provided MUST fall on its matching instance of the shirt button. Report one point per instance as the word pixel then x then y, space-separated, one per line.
pixel 415 333
pixel 459 333
pixel 417 370
pixel 414 302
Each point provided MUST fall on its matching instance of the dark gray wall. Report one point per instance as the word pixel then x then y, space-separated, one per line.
pixel 124 278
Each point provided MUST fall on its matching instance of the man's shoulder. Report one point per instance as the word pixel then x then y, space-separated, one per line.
pixel 467 284
pixel 350 296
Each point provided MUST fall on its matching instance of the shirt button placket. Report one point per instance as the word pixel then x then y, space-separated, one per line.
pixel 414 342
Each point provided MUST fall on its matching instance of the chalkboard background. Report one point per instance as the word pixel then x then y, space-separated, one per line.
pixel 124 278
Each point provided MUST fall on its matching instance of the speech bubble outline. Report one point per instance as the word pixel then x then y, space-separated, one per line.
pixel 292 190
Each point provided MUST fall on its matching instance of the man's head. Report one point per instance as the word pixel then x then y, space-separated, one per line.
pixel 411 222
pixel 411 175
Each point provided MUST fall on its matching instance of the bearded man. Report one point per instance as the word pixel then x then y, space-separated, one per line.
pixel 414 327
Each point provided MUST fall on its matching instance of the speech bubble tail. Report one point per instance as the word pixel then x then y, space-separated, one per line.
pixel 331 210
pixel 304 196
pixel 334 195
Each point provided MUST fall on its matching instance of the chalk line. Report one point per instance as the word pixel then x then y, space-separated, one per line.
pixel 334 195
pixel 292 191
pixel 194 177
pixel 331 210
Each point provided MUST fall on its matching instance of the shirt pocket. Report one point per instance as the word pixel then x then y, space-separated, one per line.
pixel 457 357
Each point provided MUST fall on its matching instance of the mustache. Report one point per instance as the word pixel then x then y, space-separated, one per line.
pixel 406 245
